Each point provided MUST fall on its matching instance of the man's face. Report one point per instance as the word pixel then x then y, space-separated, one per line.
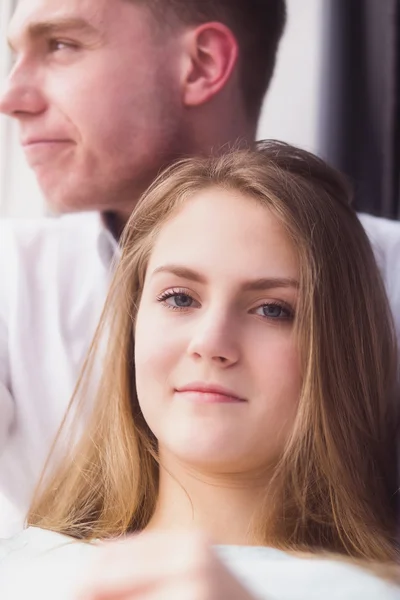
pixel 95 90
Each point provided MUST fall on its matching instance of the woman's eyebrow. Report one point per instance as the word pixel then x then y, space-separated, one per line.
pixel 264 283
pixel 268 283
pixel 180 271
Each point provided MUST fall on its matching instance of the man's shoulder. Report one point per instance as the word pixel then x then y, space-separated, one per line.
pixel 24 231
pixel 384 232
pixel 25 243
pixel 384 236
pixel 64 251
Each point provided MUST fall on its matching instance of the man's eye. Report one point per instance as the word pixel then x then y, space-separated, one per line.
pixel 56 45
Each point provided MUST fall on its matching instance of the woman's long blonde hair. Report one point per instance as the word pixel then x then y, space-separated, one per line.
pixel 335 487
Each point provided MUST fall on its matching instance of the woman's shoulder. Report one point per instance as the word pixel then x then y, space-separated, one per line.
pixel 52 563
pixel 277 574
pixel 37 559
pixel 34 542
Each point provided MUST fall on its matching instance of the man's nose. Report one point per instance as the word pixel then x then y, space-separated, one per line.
pixel 22 96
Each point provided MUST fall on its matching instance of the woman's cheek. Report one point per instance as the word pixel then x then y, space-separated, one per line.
pixel 280 379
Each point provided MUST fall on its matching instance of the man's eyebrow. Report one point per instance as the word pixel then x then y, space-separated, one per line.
pixel 265 283
pixel 44 28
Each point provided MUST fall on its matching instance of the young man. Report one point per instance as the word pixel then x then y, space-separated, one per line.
pixel 106 93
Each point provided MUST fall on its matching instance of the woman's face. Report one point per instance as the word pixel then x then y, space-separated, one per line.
pixel 217 366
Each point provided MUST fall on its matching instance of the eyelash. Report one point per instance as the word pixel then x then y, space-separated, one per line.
pixel 162 299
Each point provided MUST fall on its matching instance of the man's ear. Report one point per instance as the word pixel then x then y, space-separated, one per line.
pixel 212 54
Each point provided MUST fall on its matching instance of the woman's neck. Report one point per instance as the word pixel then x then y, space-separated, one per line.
pixel 220 505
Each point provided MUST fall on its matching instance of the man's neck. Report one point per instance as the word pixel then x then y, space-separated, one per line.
pixel 115 223
pixel 209 141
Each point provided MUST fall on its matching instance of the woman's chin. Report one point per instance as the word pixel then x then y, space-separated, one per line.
pixel 205 451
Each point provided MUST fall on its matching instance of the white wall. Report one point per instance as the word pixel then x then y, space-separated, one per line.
pixel 290 113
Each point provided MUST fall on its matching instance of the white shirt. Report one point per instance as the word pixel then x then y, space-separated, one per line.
pixel 39 564
pixel 54 275
pixel 384 236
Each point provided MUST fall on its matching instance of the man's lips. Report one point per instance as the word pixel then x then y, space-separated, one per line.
pixel 209 393
pixel 40 151
pixel 35 141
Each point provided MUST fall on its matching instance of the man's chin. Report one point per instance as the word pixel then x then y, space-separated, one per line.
pixel 64 198
pixel 62 206
pixel 69 195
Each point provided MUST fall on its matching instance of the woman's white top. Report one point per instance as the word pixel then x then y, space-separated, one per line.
pixel 42 565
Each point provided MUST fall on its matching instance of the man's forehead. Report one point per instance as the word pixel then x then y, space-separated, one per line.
pixel 35 18
pixel 35 12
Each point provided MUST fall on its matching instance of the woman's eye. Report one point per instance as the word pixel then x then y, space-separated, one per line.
pixel 178 300
pixel 274 310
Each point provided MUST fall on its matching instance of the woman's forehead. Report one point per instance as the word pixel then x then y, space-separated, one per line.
pixel 224 232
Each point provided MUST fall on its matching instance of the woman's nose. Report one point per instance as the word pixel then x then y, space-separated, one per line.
pixel 215 338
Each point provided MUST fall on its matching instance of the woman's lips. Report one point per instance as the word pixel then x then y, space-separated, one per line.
pixel 209 394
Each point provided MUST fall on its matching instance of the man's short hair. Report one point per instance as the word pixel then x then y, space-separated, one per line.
pixel 257 25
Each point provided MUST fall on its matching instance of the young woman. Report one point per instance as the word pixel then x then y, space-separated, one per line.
pixel 247 392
